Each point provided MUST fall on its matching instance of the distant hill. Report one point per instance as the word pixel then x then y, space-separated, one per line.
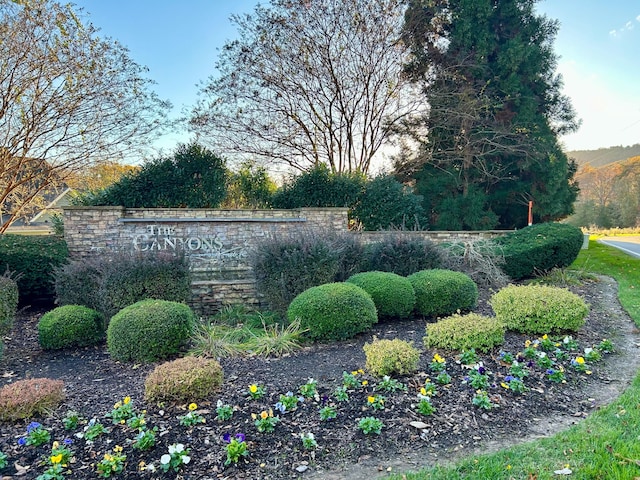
pixel 604 156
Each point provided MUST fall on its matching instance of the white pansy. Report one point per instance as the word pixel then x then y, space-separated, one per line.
pixel 166 458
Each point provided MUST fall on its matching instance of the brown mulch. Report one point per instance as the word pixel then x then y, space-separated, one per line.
pixel 93 383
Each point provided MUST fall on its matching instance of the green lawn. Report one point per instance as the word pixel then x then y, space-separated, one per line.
pixel 606 445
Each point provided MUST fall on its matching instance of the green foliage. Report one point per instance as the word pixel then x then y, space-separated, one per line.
pixel 250 187
pixel 334 311
pixel 149 330
pixel 8 306
pixel 391 357
pixel 193 178
pixel 538 309
pixel 112 282
pixel 386 203
pixel 33 259
pixel 70 326
pixel 402 255
pixel 443 292
pixel 285 267
pixel 319 188
pixel 184 380
pixel 392 294
pixel 470 331
pixel 27 398
pixel 539 248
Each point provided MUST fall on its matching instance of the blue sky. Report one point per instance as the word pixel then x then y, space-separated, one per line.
pixel 598 44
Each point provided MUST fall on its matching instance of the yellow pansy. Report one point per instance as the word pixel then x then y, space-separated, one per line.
pixel 580 360
pixel 253 388
pixel 56 458
pixel 354 373
pixel 423 391
pixel 544 337
pixel 193 406
pixel 117 449
pixel 365 383
pixel 264 415
pixel 371 399
pixel 126 400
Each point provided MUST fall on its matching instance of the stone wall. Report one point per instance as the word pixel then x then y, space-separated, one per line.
pixel 216 242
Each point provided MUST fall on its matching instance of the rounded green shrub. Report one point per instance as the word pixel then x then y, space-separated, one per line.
pixel 149 330
pixel 389 357
pixel 443 292
pixel 392 294
pixel 463 332
pixel 539 248
pixel 333 311
pixel 539 309
pixel 70 326
pixel 183 380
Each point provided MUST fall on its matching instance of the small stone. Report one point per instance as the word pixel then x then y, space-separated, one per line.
pixel 419 425
pixel 302 468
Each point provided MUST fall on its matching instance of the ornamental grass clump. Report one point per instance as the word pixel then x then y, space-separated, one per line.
pixel 27 398
pixel 70 326
pixel 183 380
pixel 149 330
pixel 464 332
pixel 443 292
pixel 334 311
pixel 391 357
pixel 392 294
pixel 538 309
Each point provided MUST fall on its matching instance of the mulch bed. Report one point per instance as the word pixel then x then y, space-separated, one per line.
pixel 93 383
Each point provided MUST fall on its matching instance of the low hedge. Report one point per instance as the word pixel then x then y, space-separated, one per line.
pixel 149 330
pixel 539 248
pixel 404 256
pixel 8 306
pixel 539 309
pixel 70 326
pixel 34 258
pixel 464 332
pixel 443 292
pixel 333 311
pixel 392 294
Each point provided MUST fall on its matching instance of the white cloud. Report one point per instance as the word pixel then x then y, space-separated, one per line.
pixel 629 26
pixel 613 33
pixel 638 18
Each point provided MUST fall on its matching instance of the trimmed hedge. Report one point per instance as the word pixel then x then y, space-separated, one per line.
pixel 149 330
pixel 70 326
pixel 8 306
pixel 539 248
pixel 539 309
pixel 334 311
pixel 34 258
pixel 392 294
pixel 389 357
pixel 183 380
pixel 465 332
pixel 443 292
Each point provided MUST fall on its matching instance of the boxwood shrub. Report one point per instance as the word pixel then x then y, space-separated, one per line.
pixel 392 294
pixel 539 309
pixel 443 292
pixel 70 326
pixel 34 258
pixel 463 332
pixel 149 330
pixel 183 380
pixel 333 311
pixel 391 357
pixel 539 248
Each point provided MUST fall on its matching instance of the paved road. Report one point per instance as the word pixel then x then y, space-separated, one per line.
pixel 630 245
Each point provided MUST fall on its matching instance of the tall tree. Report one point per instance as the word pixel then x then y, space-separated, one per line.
pixel 487 70
pixel 307 83
pixel 67 98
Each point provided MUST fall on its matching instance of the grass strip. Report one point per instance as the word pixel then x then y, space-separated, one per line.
pixel 604 446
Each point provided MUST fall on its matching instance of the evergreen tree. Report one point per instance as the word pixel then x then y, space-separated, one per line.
pixel 487 69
